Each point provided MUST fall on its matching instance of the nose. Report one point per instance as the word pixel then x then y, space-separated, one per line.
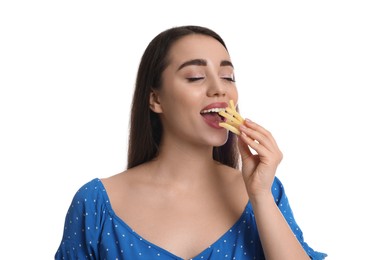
pixel 216 87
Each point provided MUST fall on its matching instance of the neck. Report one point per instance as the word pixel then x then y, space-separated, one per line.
pixel 185 164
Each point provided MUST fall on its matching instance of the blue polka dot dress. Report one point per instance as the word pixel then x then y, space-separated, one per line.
pixel 92 230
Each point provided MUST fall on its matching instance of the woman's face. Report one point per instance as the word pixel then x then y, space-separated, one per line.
pixel 199 77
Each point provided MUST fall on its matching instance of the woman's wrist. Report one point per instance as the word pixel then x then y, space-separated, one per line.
pixel 261 198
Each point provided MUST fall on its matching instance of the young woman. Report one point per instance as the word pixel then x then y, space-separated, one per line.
pixel 192 189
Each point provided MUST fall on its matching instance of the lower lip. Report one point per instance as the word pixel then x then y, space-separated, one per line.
pixel 213 124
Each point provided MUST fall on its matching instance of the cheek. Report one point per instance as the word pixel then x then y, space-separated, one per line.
pixel 177 102
pixel 233 94
pixel 184 96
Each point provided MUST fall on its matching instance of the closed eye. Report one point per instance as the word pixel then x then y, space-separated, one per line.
pixel 195 79
pixel 229 79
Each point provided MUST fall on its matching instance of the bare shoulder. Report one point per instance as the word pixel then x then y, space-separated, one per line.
pixel 114 182
pixel 127 191
pixel 126 182
pixel 117 179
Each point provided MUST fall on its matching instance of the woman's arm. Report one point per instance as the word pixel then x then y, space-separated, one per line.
pixel 277 238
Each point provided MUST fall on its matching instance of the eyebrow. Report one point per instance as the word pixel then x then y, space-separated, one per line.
pixel 202 62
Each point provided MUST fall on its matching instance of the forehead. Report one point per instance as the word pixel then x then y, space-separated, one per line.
pixel 197 46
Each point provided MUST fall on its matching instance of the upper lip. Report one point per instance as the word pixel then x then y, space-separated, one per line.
pixel 214 105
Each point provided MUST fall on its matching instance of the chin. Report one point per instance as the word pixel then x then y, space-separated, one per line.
pixel 219 140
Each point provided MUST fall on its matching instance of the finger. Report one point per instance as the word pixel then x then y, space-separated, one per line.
pixel 257 137
pixel 243 148
pixel 259 148
pixel 261 130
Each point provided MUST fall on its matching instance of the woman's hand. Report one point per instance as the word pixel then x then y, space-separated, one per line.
pixel 258 169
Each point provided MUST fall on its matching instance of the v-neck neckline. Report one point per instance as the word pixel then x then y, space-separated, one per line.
pixel 165 251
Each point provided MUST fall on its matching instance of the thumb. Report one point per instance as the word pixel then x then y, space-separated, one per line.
pixel 247 163
pixel 244 149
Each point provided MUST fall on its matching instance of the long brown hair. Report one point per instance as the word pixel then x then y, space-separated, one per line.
pixel 145 125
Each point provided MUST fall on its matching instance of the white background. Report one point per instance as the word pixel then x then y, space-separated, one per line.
pixel 315 73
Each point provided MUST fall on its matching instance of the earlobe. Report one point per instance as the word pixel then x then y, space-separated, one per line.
pixel 154 102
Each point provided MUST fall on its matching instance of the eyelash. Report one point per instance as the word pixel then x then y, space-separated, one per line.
pixel 194 79
pixel 230 79
pixel 200 78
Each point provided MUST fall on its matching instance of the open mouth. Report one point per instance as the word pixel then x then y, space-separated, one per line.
pixel 212 116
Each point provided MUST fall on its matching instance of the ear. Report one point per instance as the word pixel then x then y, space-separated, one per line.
pixel 154 102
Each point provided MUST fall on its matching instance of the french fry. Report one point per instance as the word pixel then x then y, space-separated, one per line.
pixel 234 119
pixel 235 114
pixel 231 118
pixel 230 128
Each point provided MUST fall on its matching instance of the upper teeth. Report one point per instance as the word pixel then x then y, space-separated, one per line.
pixel 216 110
